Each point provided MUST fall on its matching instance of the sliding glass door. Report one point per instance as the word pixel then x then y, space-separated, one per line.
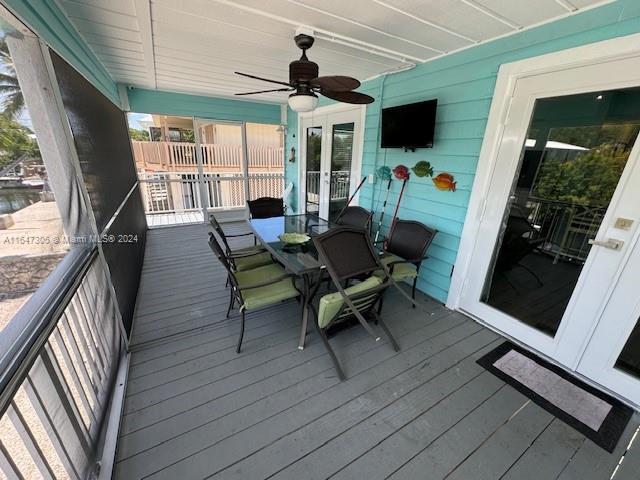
pixel 189 167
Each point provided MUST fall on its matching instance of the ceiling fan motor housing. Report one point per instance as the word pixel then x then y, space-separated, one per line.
pixel 302 71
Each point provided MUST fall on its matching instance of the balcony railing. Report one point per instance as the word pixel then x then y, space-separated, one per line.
pixel 180 192
pixel 56 391
pixel 339 185
pixel 181 157
pixel 567 227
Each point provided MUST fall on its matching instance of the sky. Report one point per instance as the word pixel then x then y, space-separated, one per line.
pixel 134 118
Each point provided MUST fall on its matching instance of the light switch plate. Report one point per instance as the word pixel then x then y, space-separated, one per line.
pixel 623 223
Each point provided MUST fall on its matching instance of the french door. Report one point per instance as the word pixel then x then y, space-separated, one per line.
pixel 331 149
pixel 556 261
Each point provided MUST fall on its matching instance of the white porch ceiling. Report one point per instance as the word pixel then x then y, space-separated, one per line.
pixel 194 46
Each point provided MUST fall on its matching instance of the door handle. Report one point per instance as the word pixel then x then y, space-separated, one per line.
pixel 611 243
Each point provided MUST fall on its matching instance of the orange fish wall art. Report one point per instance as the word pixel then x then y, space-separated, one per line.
pixel 445 182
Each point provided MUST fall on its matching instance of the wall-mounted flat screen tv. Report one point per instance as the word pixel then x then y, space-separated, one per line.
pixel 409 126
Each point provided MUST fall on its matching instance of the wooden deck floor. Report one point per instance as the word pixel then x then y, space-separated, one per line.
pixel 196 409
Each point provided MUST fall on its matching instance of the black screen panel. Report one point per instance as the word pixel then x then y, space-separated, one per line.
pixel 123 248
pixel 101 137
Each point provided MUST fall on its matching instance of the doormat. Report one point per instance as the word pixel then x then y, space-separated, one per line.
pixel 596 415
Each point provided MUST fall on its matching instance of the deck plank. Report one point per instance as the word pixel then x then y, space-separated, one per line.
pixel 196 409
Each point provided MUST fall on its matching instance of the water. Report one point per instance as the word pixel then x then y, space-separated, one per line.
pixel 14 199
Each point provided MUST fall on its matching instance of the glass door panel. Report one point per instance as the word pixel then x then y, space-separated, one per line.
pixel 314 160
pixel 629 359
pixel 342 136
pixel 265 160
pixel 223 175
pixel 164 150
pixel 575 151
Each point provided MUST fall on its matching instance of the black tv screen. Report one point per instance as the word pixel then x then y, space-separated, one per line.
pixel 409 126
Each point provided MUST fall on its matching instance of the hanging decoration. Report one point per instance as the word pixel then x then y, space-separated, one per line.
pixel 423 169
pixel 384 173
pixel 445 182
pixel 401 172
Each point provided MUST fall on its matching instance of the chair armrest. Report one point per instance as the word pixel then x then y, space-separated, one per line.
pixel 239 235
pixel 245 254
pixel 412 260
pixel 267 282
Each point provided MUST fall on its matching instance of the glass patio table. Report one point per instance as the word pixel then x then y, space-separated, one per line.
pixel 300 260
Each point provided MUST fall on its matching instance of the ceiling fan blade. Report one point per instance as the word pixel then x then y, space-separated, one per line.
pixel 348 97
pixel 336 83
pixel 267 91
pixel 263 79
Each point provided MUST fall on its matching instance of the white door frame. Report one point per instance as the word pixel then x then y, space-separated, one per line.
pixel 227 214
pixel 508 75
pixel 356 166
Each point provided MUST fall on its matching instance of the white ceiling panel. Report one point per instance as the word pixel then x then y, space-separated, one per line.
pixel 385 25
pixel 525 12
pixel 456 15
pixel 194 46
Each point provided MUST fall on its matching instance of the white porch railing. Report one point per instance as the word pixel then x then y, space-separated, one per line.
pixel 181 157
pixel 180 192
pixel 339 184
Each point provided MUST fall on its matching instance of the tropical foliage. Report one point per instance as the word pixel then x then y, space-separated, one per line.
pixel 587 177
pixel 12 102
pixel 15 141
pixel 141 135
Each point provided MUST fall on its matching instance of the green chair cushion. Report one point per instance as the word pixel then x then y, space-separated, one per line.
pixel 331 303
pixel 401 271
pixel 269 294
pixel 253 261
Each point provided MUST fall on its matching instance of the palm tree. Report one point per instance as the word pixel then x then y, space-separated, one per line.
pixel 12 100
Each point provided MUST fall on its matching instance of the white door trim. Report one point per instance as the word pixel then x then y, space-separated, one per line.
pixel 508 75
pixel 356 167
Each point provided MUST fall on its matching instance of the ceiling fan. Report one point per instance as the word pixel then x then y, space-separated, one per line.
pixel 305 83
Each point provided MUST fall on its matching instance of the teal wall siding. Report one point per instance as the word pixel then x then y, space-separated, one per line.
pixel 170 103
pixel 46 19
pixel 463 83
pixel 291 168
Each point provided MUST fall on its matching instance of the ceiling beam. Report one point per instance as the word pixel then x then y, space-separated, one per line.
pixel 426 22
pixel 492 14
pixel 366 27
pixel 566 4
pixel 329 35
pixel 143 14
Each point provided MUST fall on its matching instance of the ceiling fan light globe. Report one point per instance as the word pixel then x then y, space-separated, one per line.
pixel 303 103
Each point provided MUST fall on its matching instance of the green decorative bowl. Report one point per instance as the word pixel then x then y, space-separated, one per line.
pixel 294 238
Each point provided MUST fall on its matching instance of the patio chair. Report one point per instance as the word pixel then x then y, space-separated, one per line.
pixel 348 254
pixel 355 217
pixel 405 251
pixel 520 239
pixel 266 207
pixel 244 258
pixel 254 289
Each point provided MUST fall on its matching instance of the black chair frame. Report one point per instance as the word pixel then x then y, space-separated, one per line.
pixel 266 207
pixel 357 305
pixel 235 292
pixel 226 236
pixel 355 216
pixel 416 254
